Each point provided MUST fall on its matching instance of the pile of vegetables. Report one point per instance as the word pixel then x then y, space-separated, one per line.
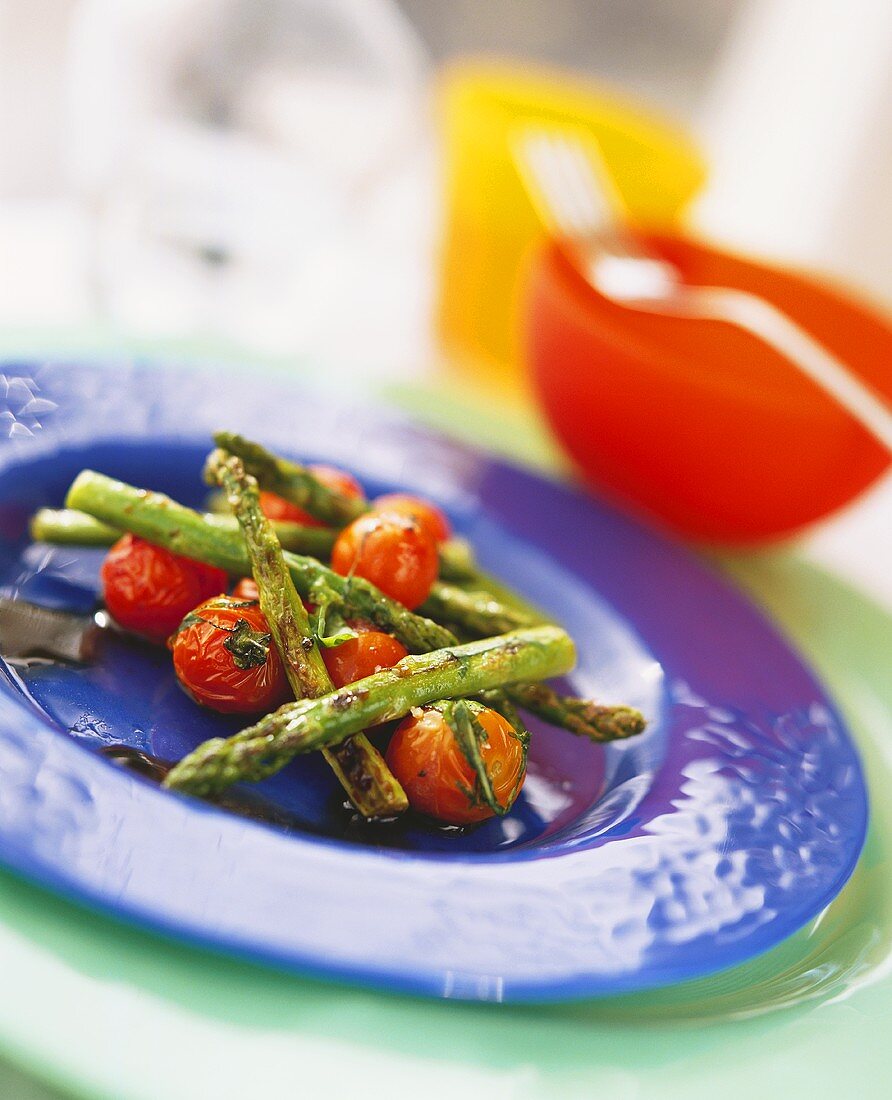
pixel 345 614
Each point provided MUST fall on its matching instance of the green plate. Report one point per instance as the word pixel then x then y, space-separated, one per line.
pixel 102 1010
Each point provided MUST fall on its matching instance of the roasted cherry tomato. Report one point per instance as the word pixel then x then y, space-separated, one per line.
pixel 428 516
pixel 370 651
pixel 148 589
pixel 275 507
pixel 224 657
pixel 425 758
pixel 391 551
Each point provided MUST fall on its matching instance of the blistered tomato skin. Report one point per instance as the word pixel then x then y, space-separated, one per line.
pixel 424 757
pixel 391 551
pixel 277 508
pixel 148 590
pixel 427 515
pixel 225 659
pixel 367 653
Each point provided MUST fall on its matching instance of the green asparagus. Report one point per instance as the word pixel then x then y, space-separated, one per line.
pixel 307 725
pixel 583 717
pixel 459 567
pixel 476 614
pixel 291 481
pixel 65 526
pixel 358 765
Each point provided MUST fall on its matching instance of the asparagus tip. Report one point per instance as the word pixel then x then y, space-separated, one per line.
pixel 84 477
pixel 621 722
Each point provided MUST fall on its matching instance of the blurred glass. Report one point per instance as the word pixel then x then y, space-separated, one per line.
pixel 234 155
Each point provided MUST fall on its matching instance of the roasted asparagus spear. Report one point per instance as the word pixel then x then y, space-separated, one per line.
pixel 291 481
pixel 66 526
pixel 359 766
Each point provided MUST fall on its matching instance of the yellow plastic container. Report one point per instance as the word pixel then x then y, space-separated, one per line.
pixel 489 222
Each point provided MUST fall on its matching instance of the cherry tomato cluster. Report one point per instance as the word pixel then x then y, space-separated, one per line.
pixel 225 658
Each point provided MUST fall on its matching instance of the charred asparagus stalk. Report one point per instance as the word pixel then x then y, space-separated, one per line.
pixel 310 724
pixel 584 717
pixel 66 526
pixel 371 787
pixel 476 614
pixel 301 486
pixel 459 567
pixel 161 520
pixel 291 481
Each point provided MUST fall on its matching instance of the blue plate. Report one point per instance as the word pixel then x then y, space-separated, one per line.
pixel 730 823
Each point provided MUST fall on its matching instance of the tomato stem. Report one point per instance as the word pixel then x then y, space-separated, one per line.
pixel 249 647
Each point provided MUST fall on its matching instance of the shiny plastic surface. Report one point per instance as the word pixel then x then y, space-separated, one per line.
pixel 699 423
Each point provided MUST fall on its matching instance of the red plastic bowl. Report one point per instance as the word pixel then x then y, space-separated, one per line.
pixel 697 423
